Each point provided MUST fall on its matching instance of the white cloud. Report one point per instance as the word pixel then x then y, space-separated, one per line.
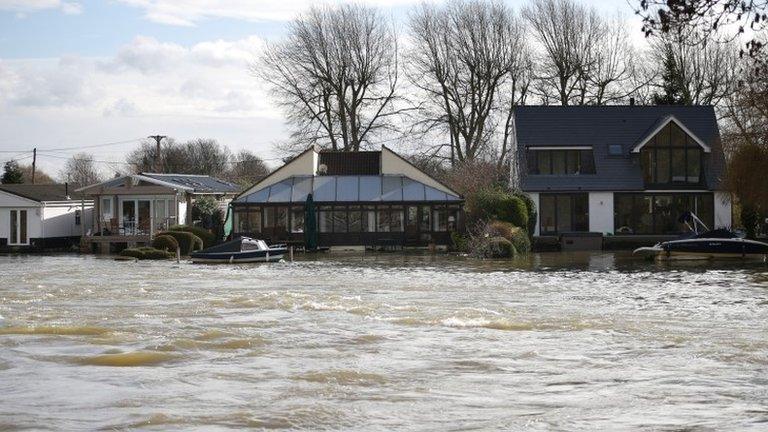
pixel 146 77
pixel 24 6
pixel 188 12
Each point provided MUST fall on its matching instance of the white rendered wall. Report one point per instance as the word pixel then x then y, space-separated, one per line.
pixel 723 210
pixel 9 201
pixel 33 222
pixel 601 212
pixel 535 198
pixel 59 220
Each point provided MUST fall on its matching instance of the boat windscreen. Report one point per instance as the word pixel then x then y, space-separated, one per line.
pixel 718 233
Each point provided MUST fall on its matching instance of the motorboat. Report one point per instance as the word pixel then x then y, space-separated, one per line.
pixel 240 250
pixel 702 244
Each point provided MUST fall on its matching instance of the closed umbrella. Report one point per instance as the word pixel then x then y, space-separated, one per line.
pixel 310 224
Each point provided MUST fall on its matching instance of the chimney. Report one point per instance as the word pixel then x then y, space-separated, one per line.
pixel 631 101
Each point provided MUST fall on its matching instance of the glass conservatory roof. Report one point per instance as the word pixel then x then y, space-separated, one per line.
pixel 347 189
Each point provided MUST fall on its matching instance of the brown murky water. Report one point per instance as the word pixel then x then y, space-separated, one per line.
pixel 383 342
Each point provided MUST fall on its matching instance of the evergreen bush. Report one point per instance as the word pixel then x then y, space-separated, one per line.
pixel 165 242
pixel 208 238
pixel 187 241
pixel 496 204
pixel 146 253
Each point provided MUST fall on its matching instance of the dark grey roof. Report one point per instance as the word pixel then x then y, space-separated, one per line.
pixel 41 192
pixel 387 188
pixel 601 126
pixel 200 183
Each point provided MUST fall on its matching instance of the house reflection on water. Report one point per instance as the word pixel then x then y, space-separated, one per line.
pixel 374 198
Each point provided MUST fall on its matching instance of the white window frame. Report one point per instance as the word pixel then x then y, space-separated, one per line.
pixel 15 241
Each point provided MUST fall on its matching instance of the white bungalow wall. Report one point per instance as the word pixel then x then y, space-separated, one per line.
pixel 58 219
pixel 10 202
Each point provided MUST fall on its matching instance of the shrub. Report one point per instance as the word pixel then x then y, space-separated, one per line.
pixel 485 241
pixel 187 241
pixel 155 254
pixel 521 240
pixel 165 242
pixel 494 247
pixel 490 204
pixel 146 253
pixel 197 243
pixel 532 214
pixel 208 238
pixel 460 242
pixel 131 252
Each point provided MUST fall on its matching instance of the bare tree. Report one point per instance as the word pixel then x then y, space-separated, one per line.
pixel 701 74
pixel 568 35
pixel 335 75
pixel 246 168
pixel 582 57
pixel 198 156
pixel 41 177
pixel 81 170
pixel 712 20
pixel 206 156
pixel 469 60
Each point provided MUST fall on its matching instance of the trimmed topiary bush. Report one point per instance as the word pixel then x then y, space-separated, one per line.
pixel 146 253
pixel 165 242
pixel 187 241
pixel 132 252
pixel 208 238
pixel 197 243
pixel 155 254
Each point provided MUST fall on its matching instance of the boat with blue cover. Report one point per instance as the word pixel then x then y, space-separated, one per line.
pixel 240 250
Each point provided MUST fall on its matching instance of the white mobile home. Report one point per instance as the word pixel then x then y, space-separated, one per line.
pixel 41 217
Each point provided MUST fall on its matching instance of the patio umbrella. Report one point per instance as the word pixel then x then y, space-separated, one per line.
pixel 310 224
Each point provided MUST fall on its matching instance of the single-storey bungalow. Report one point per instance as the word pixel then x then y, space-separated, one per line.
pixel 621 170
pixel 34 216
pixel 367 198
pixel 130 209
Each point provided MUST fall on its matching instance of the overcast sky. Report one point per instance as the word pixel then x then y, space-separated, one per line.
pixel 84 73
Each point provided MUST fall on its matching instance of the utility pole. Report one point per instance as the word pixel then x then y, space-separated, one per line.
pixel 157 139
pixel 34 163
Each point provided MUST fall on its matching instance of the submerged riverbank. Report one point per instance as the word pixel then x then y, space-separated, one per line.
pixel 383 341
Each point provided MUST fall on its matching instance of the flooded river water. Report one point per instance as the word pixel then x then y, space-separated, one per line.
pixel 383 342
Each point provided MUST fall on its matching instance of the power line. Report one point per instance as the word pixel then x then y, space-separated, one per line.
pixel 76 148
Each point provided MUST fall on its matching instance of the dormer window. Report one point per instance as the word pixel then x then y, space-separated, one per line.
pixel 671 158
pixel 560 161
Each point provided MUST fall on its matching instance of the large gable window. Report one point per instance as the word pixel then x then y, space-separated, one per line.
pixel 560 161
pixel 671 157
